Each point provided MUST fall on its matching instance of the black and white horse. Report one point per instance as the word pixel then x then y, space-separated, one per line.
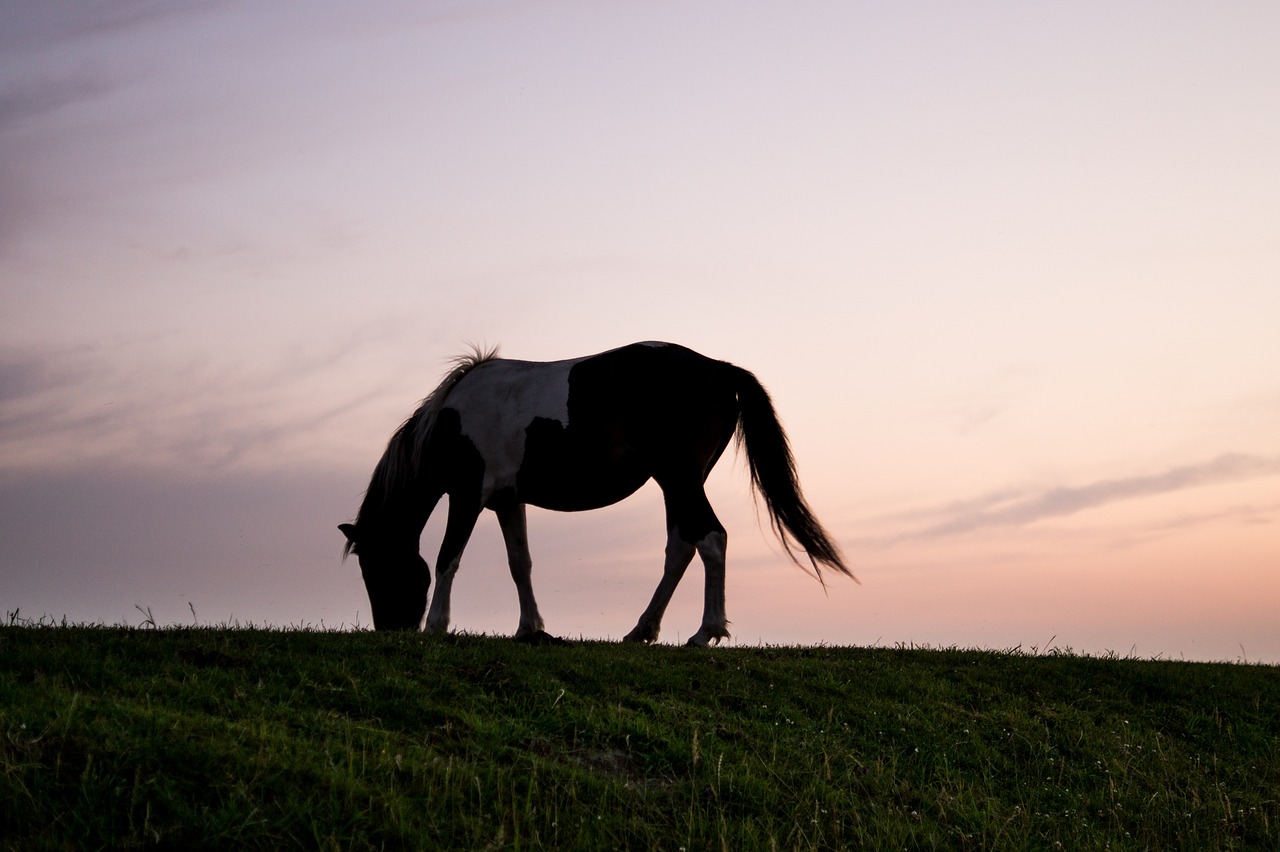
pixel 573 435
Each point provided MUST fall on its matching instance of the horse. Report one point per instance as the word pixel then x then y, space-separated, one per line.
pixel 569 436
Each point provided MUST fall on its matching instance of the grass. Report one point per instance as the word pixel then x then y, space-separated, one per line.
pixel 241 738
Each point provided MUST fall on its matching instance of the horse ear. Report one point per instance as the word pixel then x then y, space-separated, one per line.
pixel 349 531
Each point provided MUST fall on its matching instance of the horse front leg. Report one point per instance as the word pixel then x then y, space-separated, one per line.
pixel 511 517
pixel 457 531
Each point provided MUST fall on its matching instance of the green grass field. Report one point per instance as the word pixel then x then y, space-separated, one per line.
pixel 231 738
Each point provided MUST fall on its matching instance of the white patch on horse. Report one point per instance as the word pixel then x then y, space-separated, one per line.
pixel 498 400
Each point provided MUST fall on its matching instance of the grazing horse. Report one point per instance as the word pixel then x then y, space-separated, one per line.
pixel 573 435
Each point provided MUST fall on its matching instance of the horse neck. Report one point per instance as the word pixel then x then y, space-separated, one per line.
pixel 399 512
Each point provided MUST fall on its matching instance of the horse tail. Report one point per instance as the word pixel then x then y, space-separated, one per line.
pixel 773 477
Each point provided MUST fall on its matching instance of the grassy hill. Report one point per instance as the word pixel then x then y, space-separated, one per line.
pixel 223 738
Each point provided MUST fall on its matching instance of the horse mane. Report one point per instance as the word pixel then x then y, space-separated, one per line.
pixel 397 470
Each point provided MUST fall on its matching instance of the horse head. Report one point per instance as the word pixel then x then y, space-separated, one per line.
pixel 395 576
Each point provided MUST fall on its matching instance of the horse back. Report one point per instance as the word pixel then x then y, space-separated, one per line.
pixel 587 432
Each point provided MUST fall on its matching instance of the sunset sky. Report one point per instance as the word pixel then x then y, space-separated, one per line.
pixel 1011 272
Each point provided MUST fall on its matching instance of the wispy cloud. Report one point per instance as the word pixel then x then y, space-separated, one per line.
pixel 972 411
pixel 23 373
pixel 34 96
pixel 1017 508
pixel 144 405
pixel 36 26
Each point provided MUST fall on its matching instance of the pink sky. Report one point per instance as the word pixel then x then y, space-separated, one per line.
pixel 1011 273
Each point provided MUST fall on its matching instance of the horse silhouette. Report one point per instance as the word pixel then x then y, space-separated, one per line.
pixel 570 436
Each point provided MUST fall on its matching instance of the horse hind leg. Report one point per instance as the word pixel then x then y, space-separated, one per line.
pixel 678 556
pixel 715 626
pixel 692 527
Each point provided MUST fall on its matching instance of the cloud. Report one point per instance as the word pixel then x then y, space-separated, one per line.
pixel 22 374
pixel 24 102
pixel 40 25
pixel 972 412
pixel 1008 508
pixel 150 404
pixel 34 96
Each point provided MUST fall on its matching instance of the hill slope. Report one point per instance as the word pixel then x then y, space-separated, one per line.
pixel 243 738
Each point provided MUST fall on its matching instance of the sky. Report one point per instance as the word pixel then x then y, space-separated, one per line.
pixel 1010 271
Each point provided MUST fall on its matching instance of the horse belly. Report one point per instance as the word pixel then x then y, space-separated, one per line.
pixel 563 472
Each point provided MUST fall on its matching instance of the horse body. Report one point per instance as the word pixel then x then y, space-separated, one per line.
pixel 571 436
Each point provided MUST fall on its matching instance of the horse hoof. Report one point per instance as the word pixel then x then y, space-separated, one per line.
pixel 541 637
pixel 697 641
pixel 642 634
